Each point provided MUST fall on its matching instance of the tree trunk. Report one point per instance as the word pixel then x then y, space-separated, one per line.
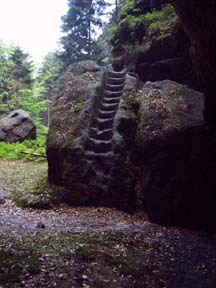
pixel 89 40
pixel 89 29
pixel 116 11
pixel 17 96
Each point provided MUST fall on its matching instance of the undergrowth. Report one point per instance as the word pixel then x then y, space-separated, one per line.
pixel 17 150
pixel 26 181
pixel 127 33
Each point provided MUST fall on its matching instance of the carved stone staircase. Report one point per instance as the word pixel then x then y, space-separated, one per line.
pixel 99 147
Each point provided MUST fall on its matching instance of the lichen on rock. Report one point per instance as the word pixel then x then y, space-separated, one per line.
pixel 174 156
pixel 71 114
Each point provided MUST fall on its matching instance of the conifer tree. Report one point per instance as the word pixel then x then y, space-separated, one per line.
pixel 79 26
pixel 21 73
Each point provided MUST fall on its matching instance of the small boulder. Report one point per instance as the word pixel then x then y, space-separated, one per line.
pixel 17 127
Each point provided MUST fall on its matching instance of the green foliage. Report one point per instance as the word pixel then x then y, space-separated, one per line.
pixel 15 75
pixel 18 90
pixel 79 26
pixel 50 77
pixel 14 150
pixel 32 102
pixel 132 21
pixel 113 31
pixel 126 8
pixel 167 11
pixel 126 36
pixel 154 25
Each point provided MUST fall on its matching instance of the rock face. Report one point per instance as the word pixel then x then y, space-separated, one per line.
pixel 70 117
pixel 17 126
pixel 163 53
pixel 174 156
pixel 167 57
pixel 198 19
pixel 116 142
pixel 89 157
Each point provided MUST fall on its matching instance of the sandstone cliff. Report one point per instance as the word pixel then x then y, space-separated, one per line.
pixel 153 44
pixel 133 146
pixel 198 19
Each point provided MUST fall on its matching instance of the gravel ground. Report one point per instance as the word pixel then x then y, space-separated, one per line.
pixel 99 247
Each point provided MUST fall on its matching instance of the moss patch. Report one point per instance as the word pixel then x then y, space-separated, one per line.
pixel 15 263
pixel 27 183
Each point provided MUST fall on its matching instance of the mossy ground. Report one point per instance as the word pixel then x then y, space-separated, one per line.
pixel 94 260
pixel 107 260
pixel 27 183
pixel 94 247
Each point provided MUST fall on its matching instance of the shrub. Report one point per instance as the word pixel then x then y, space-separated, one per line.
pixel 167 11
pixel 133 21
pixel 14 151
pixel 126 8
pixel 113 31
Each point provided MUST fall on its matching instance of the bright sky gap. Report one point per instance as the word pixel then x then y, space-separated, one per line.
pixel 33 25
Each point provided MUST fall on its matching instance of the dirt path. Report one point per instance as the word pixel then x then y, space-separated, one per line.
pixel 74 220
pixel 96 248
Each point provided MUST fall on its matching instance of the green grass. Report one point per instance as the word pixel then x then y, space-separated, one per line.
pixel 27 183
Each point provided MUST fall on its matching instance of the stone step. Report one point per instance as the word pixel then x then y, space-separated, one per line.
pixel 106 114
pixel 104 173
pixel 99 142
pixel 102 135
pixel 112 94
pixel 111 100
pixel 109 106
pixel 108 156
pixel 114 88
pixel 114 81
pixel 103 168
pixel 116 74
pixel 103 124
pixel 99 146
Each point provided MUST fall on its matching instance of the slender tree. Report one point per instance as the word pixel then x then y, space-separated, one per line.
pixel 21 73
pixel 50 76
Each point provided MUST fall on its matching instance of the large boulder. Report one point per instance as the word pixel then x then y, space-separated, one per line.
pixel 169 149
pixel 70 120
pixel 174 156
pixel 107 177
pixel 17 127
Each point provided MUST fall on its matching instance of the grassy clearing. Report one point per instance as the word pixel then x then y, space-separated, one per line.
pixel 27 183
